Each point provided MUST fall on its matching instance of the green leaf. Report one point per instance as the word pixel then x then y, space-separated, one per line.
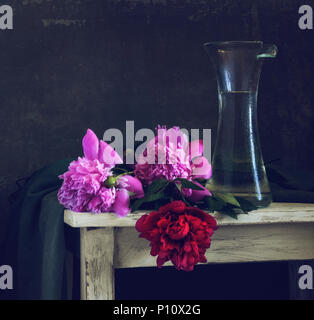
pixel 147 199
pixel 228 204
pixel 188 184
pixel 230 212
pixel 246 205
pixel 214 204
pixel 155 196
pixel 179 187
pixel 157 186
pixel 154 192
pixel 228 198
pixel 136 204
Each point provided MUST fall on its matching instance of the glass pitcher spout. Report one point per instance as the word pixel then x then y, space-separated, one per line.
pixel 268 51
pixel 238 166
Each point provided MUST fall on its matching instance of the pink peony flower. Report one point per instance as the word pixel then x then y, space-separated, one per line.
pixel 89 184
pixel 82 188
pixel 169 155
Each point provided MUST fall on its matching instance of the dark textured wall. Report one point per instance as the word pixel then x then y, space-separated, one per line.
pixel 70 65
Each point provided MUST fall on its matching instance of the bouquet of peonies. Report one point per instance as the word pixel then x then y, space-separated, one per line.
pixel 169 178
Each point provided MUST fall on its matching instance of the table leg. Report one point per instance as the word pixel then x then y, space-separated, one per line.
pixel 97 269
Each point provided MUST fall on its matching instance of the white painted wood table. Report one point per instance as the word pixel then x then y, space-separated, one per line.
pixel 283 231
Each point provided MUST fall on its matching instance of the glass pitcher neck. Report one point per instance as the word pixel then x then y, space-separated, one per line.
pixel 238 63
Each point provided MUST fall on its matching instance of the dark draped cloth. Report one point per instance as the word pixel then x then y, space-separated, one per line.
pixel 38 238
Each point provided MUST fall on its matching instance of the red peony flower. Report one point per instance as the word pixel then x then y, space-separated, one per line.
pixel 178 233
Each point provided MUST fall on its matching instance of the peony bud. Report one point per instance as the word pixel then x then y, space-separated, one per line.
pixel 111 182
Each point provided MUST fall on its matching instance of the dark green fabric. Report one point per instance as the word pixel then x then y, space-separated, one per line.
pixel 290 184
pixel 40 237
pixel 41 250
pixel 37 236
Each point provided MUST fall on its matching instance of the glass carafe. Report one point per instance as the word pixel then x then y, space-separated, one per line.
pixel 238 166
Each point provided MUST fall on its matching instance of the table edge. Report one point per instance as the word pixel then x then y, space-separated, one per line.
pixel 276 213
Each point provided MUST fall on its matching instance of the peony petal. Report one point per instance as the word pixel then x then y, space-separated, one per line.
pixel 90 144
pixel 198 195
pixel 147 222
pixel 108 155
pixel 161 261
pixel 177 137
pixel 121 204
pixel 133 185
pixel 196 149
pixel 201 168
pixel 176 206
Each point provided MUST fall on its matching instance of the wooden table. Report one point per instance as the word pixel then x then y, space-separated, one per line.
pixel 283 231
